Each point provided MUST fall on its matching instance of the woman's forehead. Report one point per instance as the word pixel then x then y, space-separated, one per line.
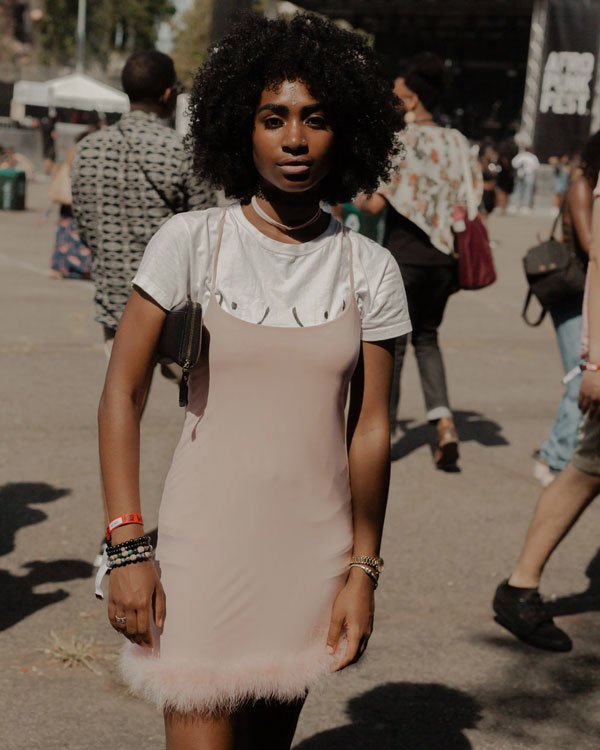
pixel 290 93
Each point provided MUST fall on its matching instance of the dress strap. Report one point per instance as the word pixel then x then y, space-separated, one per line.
pixel 213 284
pixel 348 241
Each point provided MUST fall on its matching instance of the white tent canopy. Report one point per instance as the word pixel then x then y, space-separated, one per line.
pixel 31 92
pixel 76 91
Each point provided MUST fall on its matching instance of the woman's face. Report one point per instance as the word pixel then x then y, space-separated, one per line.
pixel 292 139
pixel 406 96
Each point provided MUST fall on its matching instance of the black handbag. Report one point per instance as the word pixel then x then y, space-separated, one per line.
pixel 555 272
pixel 180 341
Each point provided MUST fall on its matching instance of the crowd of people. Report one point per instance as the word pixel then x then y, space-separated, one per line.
pixel 298 312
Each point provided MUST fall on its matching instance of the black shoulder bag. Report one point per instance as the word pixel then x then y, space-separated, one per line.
pixel 555 272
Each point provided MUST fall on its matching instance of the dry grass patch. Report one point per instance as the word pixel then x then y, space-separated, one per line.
pixel 72 651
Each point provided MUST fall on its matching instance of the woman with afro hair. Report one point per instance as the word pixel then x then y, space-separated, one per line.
pixel 272 512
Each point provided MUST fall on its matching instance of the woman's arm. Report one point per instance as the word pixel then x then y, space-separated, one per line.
pixel 589 392
pixel 369 464
pixel 133 587
pixel 579 202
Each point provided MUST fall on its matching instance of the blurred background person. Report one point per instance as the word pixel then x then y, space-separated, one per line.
pixel 488 160
pixel 560 180
pixel 505 177
pixel 525 164
pixel 566 316
pixel 421 200
pixel 47 125
pixel 71 259
pixel 128 179
pixel 517 602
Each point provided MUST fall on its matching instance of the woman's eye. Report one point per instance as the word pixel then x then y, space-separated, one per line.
pixel 317 122
pixel 272 122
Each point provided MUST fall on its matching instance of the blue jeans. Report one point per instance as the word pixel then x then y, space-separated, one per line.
pixel 524 189
pixel 562 441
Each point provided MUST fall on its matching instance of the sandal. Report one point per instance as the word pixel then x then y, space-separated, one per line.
pixel 446 452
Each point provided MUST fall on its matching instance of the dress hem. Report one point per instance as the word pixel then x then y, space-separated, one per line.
pixel 213 688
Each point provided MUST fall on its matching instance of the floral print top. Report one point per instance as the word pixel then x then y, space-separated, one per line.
pixel 428 181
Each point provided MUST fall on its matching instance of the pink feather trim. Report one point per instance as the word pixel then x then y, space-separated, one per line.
pixel 212 688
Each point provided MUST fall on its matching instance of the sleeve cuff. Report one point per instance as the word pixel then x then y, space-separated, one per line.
pixel 389 332
pixel 153 291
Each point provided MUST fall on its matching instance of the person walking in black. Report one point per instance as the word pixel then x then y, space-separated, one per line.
pixel 422 199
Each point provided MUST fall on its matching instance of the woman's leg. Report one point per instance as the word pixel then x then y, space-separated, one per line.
pixel 434 294
pixel 192 732
pixel 559 506
pixel 258 726
pixel 271 725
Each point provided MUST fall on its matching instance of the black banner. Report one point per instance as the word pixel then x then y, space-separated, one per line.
pixel 569 66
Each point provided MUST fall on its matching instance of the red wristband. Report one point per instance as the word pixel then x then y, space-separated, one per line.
pixel 589 367
pixel 124 520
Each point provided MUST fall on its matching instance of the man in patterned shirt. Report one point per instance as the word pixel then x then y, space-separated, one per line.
pixel 128 179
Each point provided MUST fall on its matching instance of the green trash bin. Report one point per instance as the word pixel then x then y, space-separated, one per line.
pixel 12 190
pixel 371 226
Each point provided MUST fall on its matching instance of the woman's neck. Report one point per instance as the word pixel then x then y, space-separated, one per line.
pixel 423 116
pixel 290 219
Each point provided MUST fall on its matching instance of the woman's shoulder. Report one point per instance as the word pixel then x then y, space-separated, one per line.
pixel 372 257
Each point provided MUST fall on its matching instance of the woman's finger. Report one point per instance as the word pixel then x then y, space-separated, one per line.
pixel 160 608
pixel 131 627
pixel 333 637
pixel 352 647
pixel 143 624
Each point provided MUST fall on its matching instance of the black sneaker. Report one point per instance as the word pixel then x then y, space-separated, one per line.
pixel 522 612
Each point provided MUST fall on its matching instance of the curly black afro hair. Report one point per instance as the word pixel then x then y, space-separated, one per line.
pixel 340 70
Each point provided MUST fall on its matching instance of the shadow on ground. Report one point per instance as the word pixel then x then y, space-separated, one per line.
pixel 585 601
pixel 19 600
pixel 405 715
pixel 471 426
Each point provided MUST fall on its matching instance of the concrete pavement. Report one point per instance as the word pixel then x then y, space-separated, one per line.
pixel 439 675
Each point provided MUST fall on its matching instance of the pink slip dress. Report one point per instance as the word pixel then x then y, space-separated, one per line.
pixel 255 523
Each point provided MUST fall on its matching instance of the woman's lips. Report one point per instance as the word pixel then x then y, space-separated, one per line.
pixel 293 168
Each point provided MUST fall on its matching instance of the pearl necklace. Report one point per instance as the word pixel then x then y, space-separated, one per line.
pixel 265 217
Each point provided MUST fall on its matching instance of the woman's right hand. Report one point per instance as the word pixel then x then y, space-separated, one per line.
pixel 136 593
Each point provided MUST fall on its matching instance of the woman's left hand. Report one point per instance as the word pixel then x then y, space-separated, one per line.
pixel 352 614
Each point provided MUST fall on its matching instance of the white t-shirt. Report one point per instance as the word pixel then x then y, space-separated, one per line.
pixel 261 280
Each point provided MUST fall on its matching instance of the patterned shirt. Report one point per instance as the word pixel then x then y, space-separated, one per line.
pixel 429 181
pixel 116 207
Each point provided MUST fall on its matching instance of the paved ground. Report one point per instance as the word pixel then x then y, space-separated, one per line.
pixel 440 675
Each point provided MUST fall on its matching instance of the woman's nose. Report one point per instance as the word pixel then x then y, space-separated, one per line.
pixel 295 139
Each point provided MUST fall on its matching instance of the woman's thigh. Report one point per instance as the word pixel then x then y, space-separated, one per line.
pixel 258 726
pixel 194 732
pixel 271 725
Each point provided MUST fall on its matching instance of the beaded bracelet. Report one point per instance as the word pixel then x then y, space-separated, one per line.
pixel 130 551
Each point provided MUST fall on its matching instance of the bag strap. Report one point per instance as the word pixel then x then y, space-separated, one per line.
pixel 161 194
pixel 558 217
pixel 538 322
pixel 472 207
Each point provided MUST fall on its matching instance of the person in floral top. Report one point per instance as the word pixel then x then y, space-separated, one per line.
pixel 423 201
